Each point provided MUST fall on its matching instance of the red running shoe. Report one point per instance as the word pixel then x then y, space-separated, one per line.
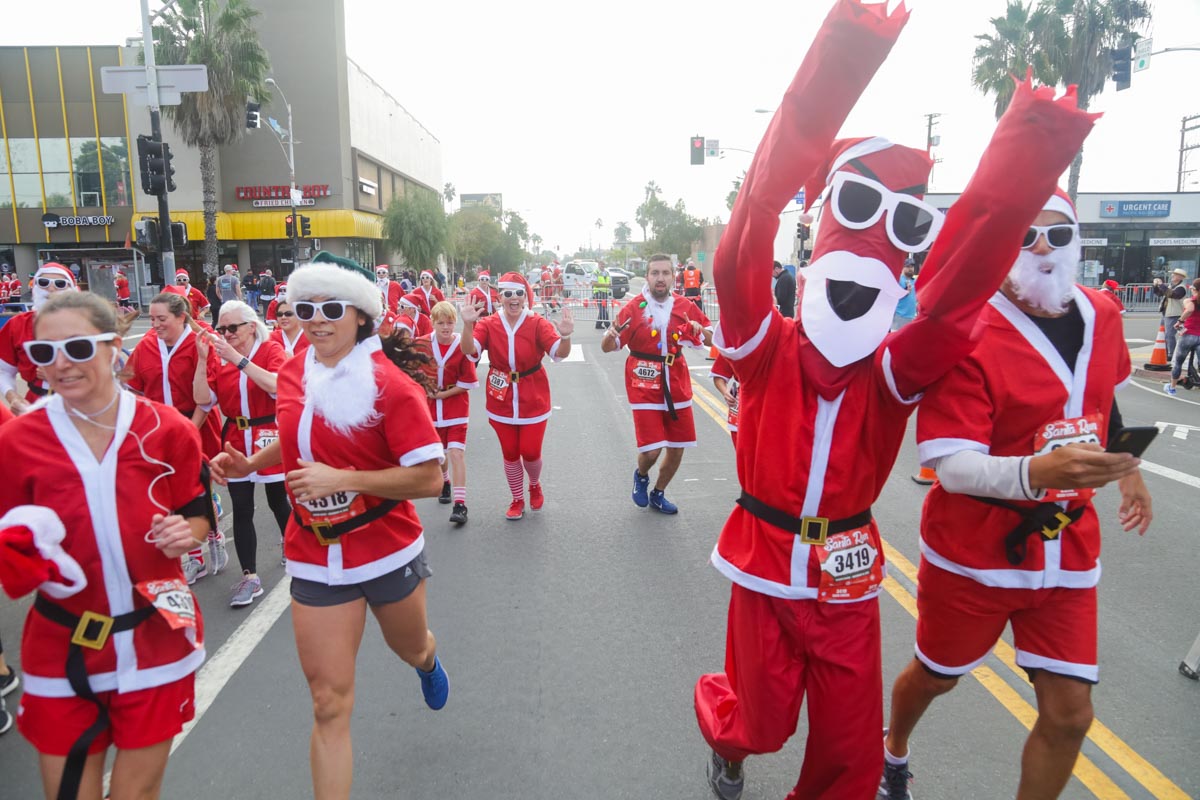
pixel 536 498
pixel 516 511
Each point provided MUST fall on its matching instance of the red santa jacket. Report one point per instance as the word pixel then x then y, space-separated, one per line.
pixel 643 377
pixel 242 400
pixel 293 347
pixel 392 295
pixel 723 368
pixel 432 296
pixel 817 440
pixel 13 336
pixel 106 509
pixel 1015 396
pixel 449 368
pixel 490 300
pixel 519 349
pixel 166 376
pixel 402 435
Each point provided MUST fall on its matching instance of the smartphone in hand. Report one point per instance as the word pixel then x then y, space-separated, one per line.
pixel 1132 440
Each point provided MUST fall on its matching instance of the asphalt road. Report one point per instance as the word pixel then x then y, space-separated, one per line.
pixel 574 637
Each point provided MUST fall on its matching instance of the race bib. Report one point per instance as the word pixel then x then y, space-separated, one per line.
pixel 173 600
pixel 337 507
pixel 1053 435
pixel 645 375
pixel 263 437
pixel 497 385
pixel 850 565
pixel 737 402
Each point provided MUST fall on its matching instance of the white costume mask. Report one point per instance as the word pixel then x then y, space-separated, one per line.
pixel 854 333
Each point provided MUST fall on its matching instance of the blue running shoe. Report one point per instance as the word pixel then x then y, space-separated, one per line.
pixel 641 483
pixel 659 502
pixel 435 685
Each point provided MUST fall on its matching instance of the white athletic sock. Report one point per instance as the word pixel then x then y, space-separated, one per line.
pixel 893 760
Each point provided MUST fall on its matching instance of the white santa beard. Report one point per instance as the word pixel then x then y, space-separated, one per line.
pixel 658 313
pixel 841 341
pixel 1048 291
pixel 339 393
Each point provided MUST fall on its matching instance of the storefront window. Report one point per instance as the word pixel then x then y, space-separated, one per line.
pixel 24 157
pixel 56 172
pixel 116 170
pixel 114 157
pixel 362 251
pixel 5 194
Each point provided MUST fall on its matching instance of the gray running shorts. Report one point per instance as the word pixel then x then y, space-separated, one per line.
pixel 390 588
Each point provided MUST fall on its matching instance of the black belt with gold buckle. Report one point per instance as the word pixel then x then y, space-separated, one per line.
pixel 1048 520
pixel 246 423
pixel 328 533
pixel 811 530
pixel 515 377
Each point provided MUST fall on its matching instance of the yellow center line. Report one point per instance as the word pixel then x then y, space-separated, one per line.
pixel 1088 773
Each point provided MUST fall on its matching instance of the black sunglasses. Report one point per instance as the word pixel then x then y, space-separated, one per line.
pixel 285 314
pixel 1057 236
pixel 224 329
pixel 57 283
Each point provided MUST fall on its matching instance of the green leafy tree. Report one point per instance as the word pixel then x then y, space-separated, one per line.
pixel 621 233
pixel 1020 40
pixel 475 235
pixel 731 198
pixel 221 36
pixel 415 225
pixel 449 192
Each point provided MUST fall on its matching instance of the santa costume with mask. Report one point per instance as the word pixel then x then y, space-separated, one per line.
pixel 427 288
pixel 825 398
pixel 390 289
pixel 51 277
pixel 485 295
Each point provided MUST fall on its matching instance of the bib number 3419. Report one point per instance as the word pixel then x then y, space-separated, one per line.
pixel 850 565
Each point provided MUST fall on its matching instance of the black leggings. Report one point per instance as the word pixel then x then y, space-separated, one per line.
pixel 245 539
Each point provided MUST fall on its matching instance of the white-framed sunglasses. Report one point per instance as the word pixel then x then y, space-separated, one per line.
pixel 1057 236
pixel 331 310
pixel 857 202
pixel 57 283
pixel 43 352
pixel 507 293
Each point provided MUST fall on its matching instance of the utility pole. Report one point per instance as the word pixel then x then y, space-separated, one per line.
pixel 166 242
pixel 291 157
pixel 930 121
pixel 1184 146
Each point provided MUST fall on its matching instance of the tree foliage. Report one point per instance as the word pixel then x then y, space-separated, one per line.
pixel 478 238
pixel 415 225
pixel 671 228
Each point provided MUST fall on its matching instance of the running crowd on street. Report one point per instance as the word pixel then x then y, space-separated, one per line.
pixel 345 394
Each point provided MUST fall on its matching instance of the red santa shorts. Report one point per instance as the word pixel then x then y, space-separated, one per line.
pixel 655 429
pixel 454 437
pixel 959 621
pixel 138 719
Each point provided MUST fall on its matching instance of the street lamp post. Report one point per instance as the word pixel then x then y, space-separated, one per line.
pixel 291 158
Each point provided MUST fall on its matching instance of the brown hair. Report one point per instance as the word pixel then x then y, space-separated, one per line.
pixel 401 349
pixel 176 304
pixel 657 257
pixel 98 311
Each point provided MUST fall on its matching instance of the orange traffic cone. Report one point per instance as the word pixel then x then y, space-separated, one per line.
pixel 925 477
pixel 712 354
pixel 1158 358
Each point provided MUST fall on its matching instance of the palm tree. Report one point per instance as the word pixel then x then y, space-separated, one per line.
pixel 449 192
pixel 621 233
pixel 652 190
pixel 1062 41
pixel 221 37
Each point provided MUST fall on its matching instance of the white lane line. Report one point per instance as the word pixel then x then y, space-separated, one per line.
pixel 1173 474
pixel 1161 393
pixel 219 669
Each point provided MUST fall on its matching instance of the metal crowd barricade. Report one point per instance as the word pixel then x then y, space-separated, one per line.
pixel 1139 297
pixel 586 308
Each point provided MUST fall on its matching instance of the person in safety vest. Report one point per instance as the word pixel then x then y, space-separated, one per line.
pixel 601 291
pixel 693 279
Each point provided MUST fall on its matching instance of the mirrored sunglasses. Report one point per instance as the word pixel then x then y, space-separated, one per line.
pixel 79 349
pixel 858 203
pixel 57 283
pixel 331 310
pixel 1057 236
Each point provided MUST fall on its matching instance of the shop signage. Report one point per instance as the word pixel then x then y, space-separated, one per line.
pixel 1185 241
pixel 1094 242
pixel 1135 208
pixel 283 203
pixel 56 221
pixel 308 191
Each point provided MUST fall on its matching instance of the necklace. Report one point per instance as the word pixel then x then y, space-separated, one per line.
pixel 92 417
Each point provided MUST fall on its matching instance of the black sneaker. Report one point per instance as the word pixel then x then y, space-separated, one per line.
pixel 444 499
pixel 9 682
pixel 894 783
pixel 725 778
pixel 459 515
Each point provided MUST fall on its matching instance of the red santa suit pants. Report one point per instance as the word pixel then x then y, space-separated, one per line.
pixel 520 441
pixel 776 651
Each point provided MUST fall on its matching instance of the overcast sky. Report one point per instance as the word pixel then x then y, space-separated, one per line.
pixel 568 109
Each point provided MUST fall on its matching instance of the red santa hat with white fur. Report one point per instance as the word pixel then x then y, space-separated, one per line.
pixel 513 281
pixel 32 557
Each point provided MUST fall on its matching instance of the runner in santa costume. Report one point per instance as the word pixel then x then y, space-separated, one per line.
pixel 244 388
pixel 4 288
pixel 548 293
pixel 428 290
pixel 162 367
pixel 1016 433
pixel 95 518
pixel 391 290
pixel 452 375
pixel 656 326
pixel 824 399
pixel 51 277
pixel 273 306
pixel 414 315
pixel 288 334
pixel 725 380
pixel 183 284
pixel 484 295
pixel 357 446
pixel 518 391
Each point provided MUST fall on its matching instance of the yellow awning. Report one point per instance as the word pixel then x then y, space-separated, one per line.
pixel 331 223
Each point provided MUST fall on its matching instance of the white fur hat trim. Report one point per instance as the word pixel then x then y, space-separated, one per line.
pixel 48 534
pixel 332 282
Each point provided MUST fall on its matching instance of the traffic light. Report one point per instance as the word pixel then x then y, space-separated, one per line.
pixel 801 232
pixel 698 151
pixel 155 161
pixel 179 234
pixel 305 226
pixel 253 118
pixel 1122 60
pixel 291 226
pixel 146 230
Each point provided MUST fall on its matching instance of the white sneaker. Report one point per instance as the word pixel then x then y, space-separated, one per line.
pixel 194 569
pixel 1169 389
pixel 217 552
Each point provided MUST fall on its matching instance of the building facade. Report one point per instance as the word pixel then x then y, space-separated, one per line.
pixel 66 156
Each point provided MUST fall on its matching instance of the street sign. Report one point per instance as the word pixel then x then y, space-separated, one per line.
pixel 712 148
pixel 173 80
pixel 1141 54
pixel 700 256
pixel 800 197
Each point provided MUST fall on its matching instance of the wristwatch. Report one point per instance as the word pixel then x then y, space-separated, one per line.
pixel 243 363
